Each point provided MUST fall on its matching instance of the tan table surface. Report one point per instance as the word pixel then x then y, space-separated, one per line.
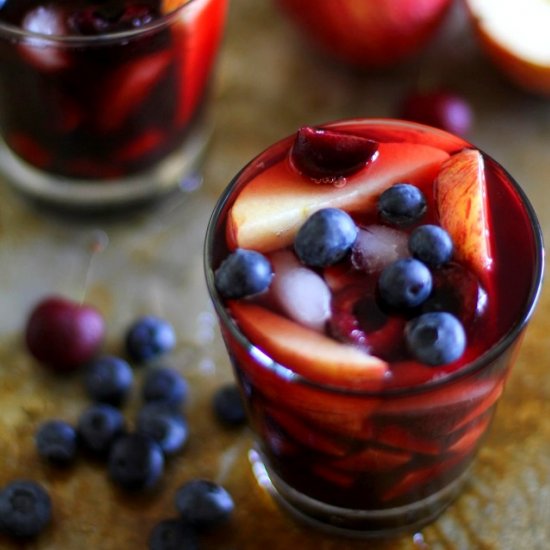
pixel 268 83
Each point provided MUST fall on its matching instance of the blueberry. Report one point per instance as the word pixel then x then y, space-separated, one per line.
pixel 173 534
pixel 402 204
pixel 431 244
pixel 108 380
pixel 98 426
pixel 149 337
pixel 243 273
pixel 229 406
pixel 136 462
pixel 405 283
pixel 325 238
pixel 204 504
pixel 163 384
pixel 25 509
pixel 56 441
pixel 436 338
pixel 168 429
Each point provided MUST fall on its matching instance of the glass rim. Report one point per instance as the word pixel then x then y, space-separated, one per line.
pixel 13 31
pixel 486 358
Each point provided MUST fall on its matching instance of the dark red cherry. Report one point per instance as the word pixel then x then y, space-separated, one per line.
pixel 329 154
pixel 442 109
pixel 64 335
pixel 357 318
pixel 457 290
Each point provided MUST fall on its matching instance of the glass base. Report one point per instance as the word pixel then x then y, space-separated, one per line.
pixel 353 523
pixel 85 194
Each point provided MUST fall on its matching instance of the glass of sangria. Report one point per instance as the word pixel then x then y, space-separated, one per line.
pixel 104 103
pixel 373 279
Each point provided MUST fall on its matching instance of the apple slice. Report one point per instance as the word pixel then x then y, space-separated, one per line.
pixel 373 460
pixel 305 434
pixel 307 352
pixel 461 197
pixel 514 36
pixel 270 209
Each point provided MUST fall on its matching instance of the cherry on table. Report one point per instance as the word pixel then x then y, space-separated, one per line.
pixel 63 334
pixel 444 109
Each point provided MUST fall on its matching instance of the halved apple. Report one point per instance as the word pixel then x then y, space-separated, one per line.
pixel 514 35
pixel 461 197
pixel 307 352
pixel 270 209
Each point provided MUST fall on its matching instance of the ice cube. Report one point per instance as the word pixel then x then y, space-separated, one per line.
pixel 45 54
pixel 377 246
pixel 299 292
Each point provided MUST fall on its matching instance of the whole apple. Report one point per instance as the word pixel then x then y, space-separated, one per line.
pixel 63 334
pixel 367 33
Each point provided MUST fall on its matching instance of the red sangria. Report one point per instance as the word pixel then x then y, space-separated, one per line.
pixel 103 102
pixel 373 279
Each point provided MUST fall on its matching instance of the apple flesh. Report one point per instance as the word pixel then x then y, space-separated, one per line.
pixel 269 211
pixel 307 352
pixel 461 198
pixel 514 36
pixel 367 33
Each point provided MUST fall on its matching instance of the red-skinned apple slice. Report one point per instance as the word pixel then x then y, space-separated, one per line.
pixel 270 209
pixel 461 197
pixel 304 434
pixel 373 459
pixel 128 87
pixel 203 24
pixel 307 352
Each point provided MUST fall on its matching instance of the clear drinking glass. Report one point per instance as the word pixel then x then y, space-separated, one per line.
pixel 105 104
pixel 363 458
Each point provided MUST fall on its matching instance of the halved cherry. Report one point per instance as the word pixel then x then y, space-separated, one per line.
pixel 327 154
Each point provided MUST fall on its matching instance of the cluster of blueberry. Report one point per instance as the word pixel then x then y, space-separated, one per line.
pixel 326 238
pixel 135 459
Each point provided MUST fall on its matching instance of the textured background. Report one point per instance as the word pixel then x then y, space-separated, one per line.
pixel 268 83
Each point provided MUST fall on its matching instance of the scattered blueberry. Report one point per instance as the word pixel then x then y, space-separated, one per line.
pixel 99 426
pixel 325 238
pixel 166 385
pixel 136 462
pixel 431 244
pixel 56 442
pixel 25 509
pixel 173 534
pixel 204 504
pixel 402 204
pixel 436 338
pixel 149 337
pixel 405 283
pixel 168 429
pixel 228 406
pixel 108 380
pixel 327 154
pixel 243 273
